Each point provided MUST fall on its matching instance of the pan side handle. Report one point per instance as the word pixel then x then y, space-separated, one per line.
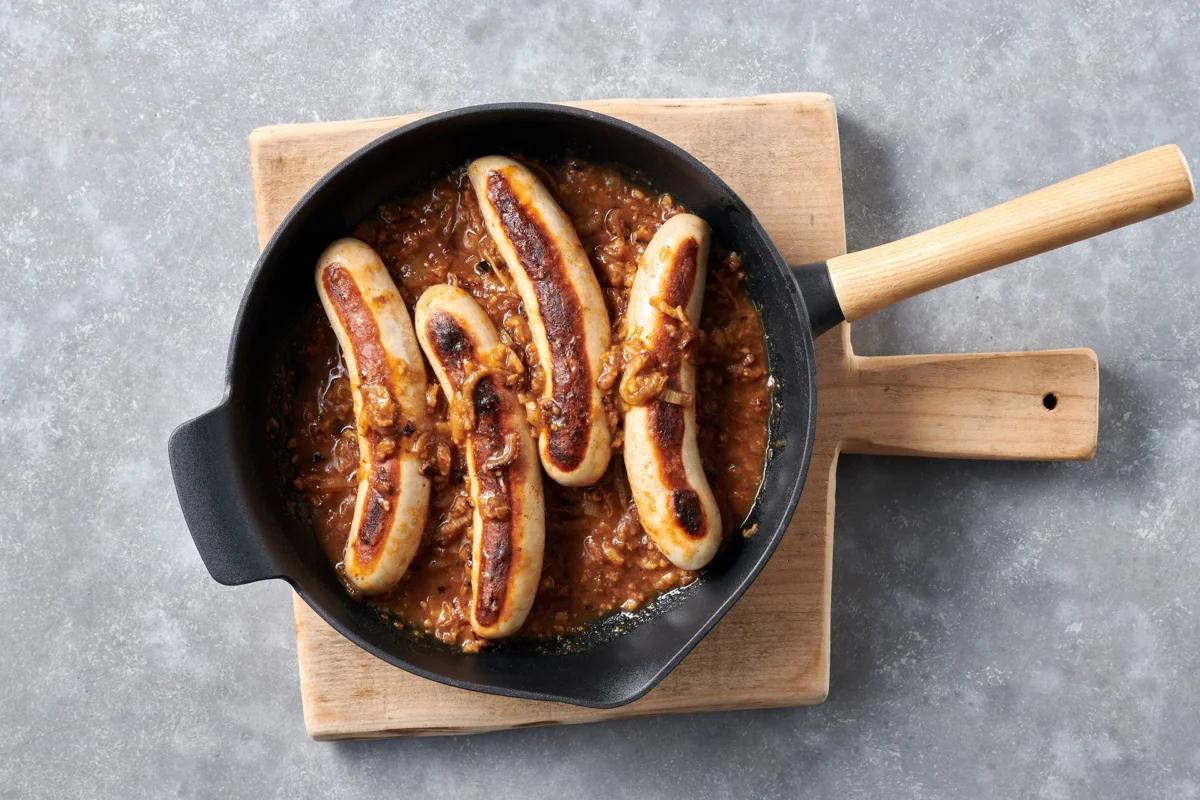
pixel 1010 406
pixel 218 512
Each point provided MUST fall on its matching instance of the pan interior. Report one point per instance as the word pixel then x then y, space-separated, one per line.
pixel 622 658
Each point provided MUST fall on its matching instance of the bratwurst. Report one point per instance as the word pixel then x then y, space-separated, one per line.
pixel 566 313
pixel 477 374
pixel 674 501
pixel 387 382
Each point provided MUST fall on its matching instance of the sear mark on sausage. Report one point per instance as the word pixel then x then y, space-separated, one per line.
pixel 682 275
pixel 685 504
pixel 489 441
pixel 562 317
pixel 667 419
pixel 378 404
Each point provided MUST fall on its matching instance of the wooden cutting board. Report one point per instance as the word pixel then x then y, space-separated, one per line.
pixel 781 154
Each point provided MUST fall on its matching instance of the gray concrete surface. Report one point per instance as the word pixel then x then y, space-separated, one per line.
pixel 999 630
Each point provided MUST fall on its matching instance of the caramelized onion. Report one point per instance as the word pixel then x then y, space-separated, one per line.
pixel 675 397
pixel 462 407
pixel 610 367
pixel 640 385
pixel 674 312
pixel 507 455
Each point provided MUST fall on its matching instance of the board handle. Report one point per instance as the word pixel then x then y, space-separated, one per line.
pixel 1038 406
pixel 1121 193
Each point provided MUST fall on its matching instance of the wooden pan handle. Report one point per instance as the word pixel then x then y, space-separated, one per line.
pixel 1104 199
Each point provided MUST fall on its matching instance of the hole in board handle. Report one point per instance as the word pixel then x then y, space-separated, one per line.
pixel 1050 401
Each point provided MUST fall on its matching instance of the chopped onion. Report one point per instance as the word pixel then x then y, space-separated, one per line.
pixel 674 312
pixel 675 397
pixel 507 455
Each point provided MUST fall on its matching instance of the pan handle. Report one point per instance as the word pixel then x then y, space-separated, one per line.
pixel 215 506
pixel 1126 191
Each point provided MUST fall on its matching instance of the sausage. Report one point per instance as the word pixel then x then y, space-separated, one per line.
pixel 662 459
pixel 566 313
pixel 387 381
pixel 505 483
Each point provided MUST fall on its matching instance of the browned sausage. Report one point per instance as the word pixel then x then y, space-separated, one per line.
pixel 674 501
pixel 508 529
pixel 387 380
pixel 565 309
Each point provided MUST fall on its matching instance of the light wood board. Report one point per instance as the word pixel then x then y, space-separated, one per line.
pixel 781 154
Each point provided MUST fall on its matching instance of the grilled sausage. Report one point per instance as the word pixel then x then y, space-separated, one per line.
pixel 387 381
pixel 505 483
pixel 674 501
pixel 566 314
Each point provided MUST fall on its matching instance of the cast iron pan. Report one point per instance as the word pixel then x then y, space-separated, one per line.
pixel 235 503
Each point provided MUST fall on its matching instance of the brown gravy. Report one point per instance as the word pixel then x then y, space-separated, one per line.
pixel 598 560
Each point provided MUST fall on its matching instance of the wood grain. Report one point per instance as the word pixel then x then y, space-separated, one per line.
pixel 1104 199
pixel 781 154
pixel 980 405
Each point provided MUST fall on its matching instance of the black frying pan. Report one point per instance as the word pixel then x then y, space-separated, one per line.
pixel 235 502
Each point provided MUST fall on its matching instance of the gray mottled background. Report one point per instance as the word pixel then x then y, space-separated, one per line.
pixel 998 629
